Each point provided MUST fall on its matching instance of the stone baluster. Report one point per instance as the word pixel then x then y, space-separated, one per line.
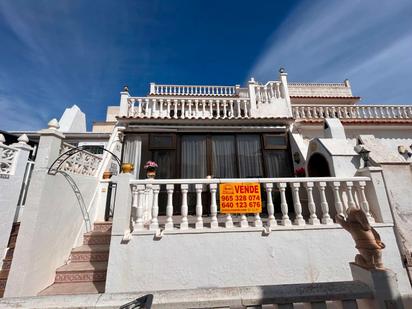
pixel 313 219
pixel 161 108
pixel 238 108
pixel 243 221
pixel 283 204
pixel 197 108
pixel 169 207
pixel 228 221
pixel 217 108
pixel 184 224
pixel 210 109
pixel 296 204
pixel 139 107
pixel 183 108
pixel 231 109
pixel 258 220
pixel 324 204
pixel 387 112
pixel 199 207
pixel 139 206
pixel 189 103
pixel 224 109
pixel 154 225
pixel 393 112
pixel 269 204
pixel 213 206
pixel 175 109
pixel 349 193
pixel 364 202
pixel 340 112
pixel 336 195
pixel 169 103
pixel 358 112
pixel 203 109
pixel 246 108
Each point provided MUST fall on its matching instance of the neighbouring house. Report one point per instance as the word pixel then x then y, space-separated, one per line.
pixel 312 150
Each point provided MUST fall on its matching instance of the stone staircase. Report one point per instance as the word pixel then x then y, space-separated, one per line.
pixel 86 270
pixel 4 273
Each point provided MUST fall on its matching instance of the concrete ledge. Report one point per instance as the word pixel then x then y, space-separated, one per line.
pixel 205 298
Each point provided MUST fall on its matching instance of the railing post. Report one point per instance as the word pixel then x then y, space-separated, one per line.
pixel 184 225
pixel 363 201
pixel 338 202
pixel 138 196
pixel 324 204
pixel 313 219
pixel 271 210
pixel 296 204
pixel 154 225
pixel 152 88
pixel 169 207
pixel 283 204
pixel 213 206
pixel 199 207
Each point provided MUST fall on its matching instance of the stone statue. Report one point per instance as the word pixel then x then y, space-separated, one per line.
pixel 368 241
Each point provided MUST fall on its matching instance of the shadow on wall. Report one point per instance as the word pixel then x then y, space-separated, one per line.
pixel 318 166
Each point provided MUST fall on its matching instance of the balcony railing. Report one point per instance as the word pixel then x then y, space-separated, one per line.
pixel 312 199
pixel 352 112
pixel 179 108
pixel 193 90
pixel 264 93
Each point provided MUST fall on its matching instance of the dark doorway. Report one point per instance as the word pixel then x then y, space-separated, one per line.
pixel 318 166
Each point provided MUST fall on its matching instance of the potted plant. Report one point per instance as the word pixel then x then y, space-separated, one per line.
pixel 127 167
pixel 150 168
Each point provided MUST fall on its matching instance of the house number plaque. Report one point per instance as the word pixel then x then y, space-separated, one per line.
pixel 240 198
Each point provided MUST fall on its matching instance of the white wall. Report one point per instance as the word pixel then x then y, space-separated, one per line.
pixel 242 258
pixel 9 194
pixel 50 224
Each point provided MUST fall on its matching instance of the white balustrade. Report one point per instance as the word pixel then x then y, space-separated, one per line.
pixel 352 112
pixel 81 163
pixel 8 156
pixel 179 108
pixel 192 90
pixel 287 202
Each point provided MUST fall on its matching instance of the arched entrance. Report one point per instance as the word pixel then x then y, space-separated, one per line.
pixel 318 166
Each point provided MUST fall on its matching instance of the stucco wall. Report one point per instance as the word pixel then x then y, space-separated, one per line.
pixel 398 180
pixel 224 259
pixel 50 226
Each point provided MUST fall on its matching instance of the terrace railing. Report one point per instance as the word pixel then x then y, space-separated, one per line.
pixel 81 163
pixel 312 198
pixel 352 112
pixel 183 108
pixel 193 90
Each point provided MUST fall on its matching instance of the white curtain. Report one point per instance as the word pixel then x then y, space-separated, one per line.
pixel 194 156
pixel 249 155
pixel 278 163
pixel 224 156
pixel 132 152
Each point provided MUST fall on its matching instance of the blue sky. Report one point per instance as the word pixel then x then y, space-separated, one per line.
pixel 54 54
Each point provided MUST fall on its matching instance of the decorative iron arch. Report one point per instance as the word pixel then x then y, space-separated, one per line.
pixel 54 167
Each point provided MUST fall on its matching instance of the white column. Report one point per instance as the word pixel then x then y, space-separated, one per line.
pixel 269 204
pixel 139 207
pixel 338 202
pixel 199 207
pixel 184 225
pixel 364 203
pixel 296 204
pixel 258 220
pixel 213 206
pixel 313 219
pixel 169 207
pixel 154 225
pixel 283 205
pixel 324 204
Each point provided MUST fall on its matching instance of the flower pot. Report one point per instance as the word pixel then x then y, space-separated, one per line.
pixel 151 174
pixel 127 168
pixel 107 175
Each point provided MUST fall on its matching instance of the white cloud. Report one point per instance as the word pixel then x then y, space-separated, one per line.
pixel 368 42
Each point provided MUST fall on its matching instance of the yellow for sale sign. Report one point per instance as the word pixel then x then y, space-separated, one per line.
pixel 240 198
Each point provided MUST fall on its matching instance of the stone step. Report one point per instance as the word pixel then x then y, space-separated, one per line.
pixel 12 240
pixel 74 288
pixel 90 253
pixel 9 254
pixel 6 264
pixel 4 274
pixel 81 272
pixel 102 226
pixel 96 238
